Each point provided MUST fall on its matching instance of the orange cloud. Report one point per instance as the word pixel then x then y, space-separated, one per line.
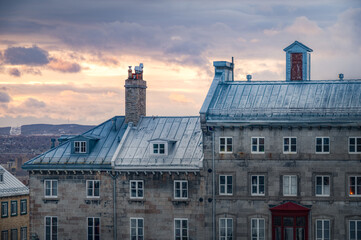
pixel 64 66
pixel 180 98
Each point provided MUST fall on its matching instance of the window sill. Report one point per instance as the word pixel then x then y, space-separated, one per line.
pixel 13 215
pixel 23 213
pixel 180 201
pixel 140 200
pixel 92 200
pixel 48 199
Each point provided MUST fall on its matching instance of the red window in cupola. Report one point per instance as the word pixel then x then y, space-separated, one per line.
pixel 296 66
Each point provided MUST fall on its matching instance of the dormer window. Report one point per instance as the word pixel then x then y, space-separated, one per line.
pixel 1 177
pixel 159 148
pixel 80 147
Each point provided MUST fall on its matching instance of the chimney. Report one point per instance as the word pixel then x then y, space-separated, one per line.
pixel 135 95
pixel 225 68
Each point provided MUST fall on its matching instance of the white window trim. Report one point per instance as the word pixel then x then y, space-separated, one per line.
pixel 136 189
pixel 22 201
pixel 225 145
pixel 51 188
pixel 181 219
pixel 264 145
pixel 323 228
pixel 322 145
pixel 226 227
pixel 323 186
pixel 226 183
pixel 348 184
pixel 180 189
pixel 264 183
pixel 356 152
pixel 51 226
pixel 349 227
pixel 87 227
pixel 87 185
pixel 159 142
pixel 290 185
pixel 16 208
pixel 258 228
pixel 136 227
pixel 289 145
pixel 80 147
pixel 7 209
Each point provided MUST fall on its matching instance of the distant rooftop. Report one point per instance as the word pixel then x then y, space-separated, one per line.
pixel 10 185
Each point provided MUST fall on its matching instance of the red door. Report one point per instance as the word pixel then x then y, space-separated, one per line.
pixel 296 66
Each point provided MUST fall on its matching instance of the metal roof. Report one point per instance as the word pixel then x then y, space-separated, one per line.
pixel 11 186
pixel 185 147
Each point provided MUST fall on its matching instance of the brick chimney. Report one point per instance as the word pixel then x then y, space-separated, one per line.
pixel 135 95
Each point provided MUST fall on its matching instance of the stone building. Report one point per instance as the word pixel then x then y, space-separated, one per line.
pixel 14 199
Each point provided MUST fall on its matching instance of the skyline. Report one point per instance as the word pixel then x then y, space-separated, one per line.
pixel 66 62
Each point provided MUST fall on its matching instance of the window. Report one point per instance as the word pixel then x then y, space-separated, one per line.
pixel 4 209
pixel 14 208
pixel 322 186
pixel 258 229
pixel 258 145
pixel 180 229
pixel 225 229
pixel 93 228
pixel 51 188
pixel 258 185
pixel 79 146
pixel 5 234
pixel 354 145
pixel 23 207
pixel 92 187
pixel 1 177
pixel 322 229
pixel 14 234
pixel 51 228
pixel 159 148
pixel 225 185
pixel 290 185
pixel 180 189
pixel 23 233
pixel 225 145
pixel 136 189
pixel 355 229
pixel 355 186
pixel 322 145
pixel 136 229
pixel 289 145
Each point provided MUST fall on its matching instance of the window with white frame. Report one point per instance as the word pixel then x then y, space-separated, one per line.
pixel 323 186
pixel 23 233
pixel 92 188
pixel 225 144
pixel 225 185
pixel 136 189
pixel 257 144
pixel 355 186
pixel 51 188
pixel 323 229
pixel 79 146
pixel 14 234
pixel 180 229
pixel 5 234
pixel 355 229
pixel 51 228
pixel 289 185
pixel 258 185
pixel 225 229
pixel 322 145
pixel 14 208
pixel 354 145
pixel 257 229
pixel 136 228
pixel 23 206
pixel 180 189
pixel 4 209
pixel 93 228
pixel 289 145
pixel 159 148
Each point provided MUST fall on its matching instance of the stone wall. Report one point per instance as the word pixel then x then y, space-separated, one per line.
pixel 135 99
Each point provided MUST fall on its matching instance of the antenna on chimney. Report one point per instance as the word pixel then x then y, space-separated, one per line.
pixel 232 69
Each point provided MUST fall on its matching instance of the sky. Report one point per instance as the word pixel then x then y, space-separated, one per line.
pixel 66 61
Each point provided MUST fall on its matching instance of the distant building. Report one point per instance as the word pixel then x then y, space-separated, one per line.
pixel 14 199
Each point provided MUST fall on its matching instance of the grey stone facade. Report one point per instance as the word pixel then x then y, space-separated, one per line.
pixel 135 99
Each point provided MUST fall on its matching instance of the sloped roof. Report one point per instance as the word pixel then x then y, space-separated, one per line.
pixel 100 157
pixel 297 44
pixel 290 206
pixel 186 152
pixel 11 186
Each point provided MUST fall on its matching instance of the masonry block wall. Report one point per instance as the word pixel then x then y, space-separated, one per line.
pixel 135 99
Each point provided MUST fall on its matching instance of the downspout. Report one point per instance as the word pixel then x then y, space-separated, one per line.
pixel 114 177
pixel 213 191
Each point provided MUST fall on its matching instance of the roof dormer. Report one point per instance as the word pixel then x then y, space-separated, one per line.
pixel 2 171
pixel 83 144
pixel 298 59
pixel 161 147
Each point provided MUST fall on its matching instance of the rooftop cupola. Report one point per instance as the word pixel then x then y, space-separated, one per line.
pixel 224 67
pixel 135 95
pixel 298 62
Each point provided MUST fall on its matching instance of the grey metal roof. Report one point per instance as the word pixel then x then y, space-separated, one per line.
pixel 303 101
pixel 108 135
pixel 11 186
pixel 183 133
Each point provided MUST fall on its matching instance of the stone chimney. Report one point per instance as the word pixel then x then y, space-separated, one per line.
pixel 135 95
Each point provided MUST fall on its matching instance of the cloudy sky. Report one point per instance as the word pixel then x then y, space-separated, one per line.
pixel 66 61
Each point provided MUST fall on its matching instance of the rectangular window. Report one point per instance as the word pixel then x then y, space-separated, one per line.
pixel 258 228
pixel 1 177
pixel 355 229
pixel 180 189
pixel 355 186
pixel 322 145
pixel 289 145
pixel 159 148
pixel 4 209
pixel 322 229
pixel 257 144
pixel 79 146
pixel 136 228
pixel 92 187
pixel 225 145
pixel 354 145
pixel 225 228
pixel 323 186
pixel 23 233
pixel 258 185
pixel 180 229
pixel 5 235
pixel 14 208
pixel 290 185
pixel 23 207
pixel 51 228
pixel 93 228
pixel 225 185
pixel 51 188
pixel 14 234
pixel 136 189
